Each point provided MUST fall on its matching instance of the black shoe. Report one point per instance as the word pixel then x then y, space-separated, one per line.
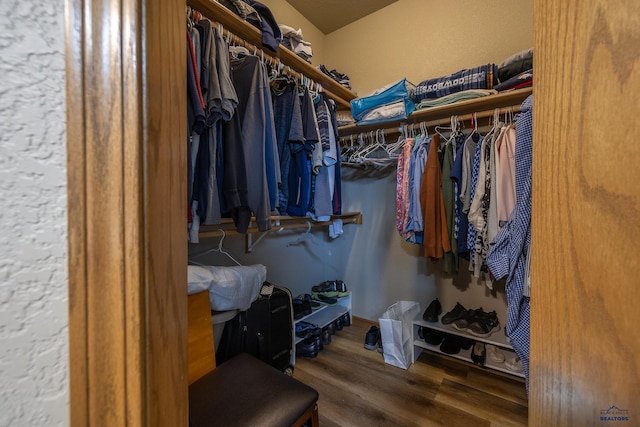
pixel 455 314
pixel 479 353
pixel 327 288
pixel 432 312
pixel 326 336
pixel 380 349
pixel 470 316
pixel 346 319
pixel 307 348
pixel 331 328
pixel 484 325
pixel 301 308
pixel 371 338
pixel 433 337
pixel 341 287
pixel 465 343
pixel 450 345
pixel 338 324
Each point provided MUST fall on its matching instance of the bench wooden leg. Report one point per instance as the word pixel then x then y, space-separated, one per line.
pixel 310 415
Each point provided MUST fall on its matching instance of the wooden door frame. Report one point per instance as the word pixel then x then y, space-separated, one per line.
pixel 126 128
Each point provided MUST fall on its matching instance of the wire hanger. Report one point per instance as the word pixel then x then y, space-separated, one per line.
pixel 304 237
pixel 218 249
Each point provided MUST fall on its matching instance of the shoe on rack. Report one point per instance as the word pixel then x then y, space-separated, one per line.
pixel 421 331
pixel 372 337
pixel 301 306
pixel 325 299
pixel 331 327
pixel 484 324
pixel 479 353
pixel 305 329
pixel 346 319
pixel 453 315
pixel 465 343
pixel 467 319
pixel 450 345
pixel 298 309
pixel 326 336
pixel 494 354
pixel 341 287
pixel 327 288
pixel 307 348
pixel 338 324
pixel 432 312
pixel 433 337
pixel 514 364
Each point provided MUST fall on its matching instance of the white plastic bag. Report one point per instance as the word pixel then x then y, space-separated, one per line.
pixel 395 330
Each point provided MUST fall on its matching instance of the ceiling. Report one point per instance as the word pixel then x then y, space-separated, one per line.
pixel 330 15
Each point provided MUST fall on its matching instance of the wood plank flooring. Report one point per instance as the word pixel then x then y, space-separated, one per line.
pixel 358 389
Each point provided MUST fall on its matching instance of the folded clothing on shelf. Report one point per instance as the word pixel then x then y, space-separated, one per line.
pixel 343 79
pixel 515 64
pixel 455 97
pixel 519 81
pixel 482 77
pixel 391 102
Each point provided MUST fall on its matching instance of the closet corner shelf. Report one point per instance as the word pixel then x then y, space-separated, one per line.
pixel 497 338
pixel 236 25
pixel 485 104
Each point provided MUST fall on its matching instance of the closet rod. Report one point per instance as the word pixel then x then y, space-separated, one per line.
pixel 253 36
pixel 480 116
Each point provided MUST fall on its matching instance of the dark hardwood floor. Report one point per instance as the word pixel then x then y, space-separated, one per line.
pixel 358 389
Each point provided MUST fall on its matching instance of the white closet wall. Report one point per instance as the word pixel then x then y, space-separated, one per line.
pixel 420 40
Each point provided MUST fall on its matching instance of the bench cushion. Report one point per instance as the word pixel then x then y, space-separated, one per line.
pixel 245 391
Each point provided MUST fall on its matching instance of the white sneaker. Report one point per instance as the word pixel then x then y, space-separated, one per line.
pixel 494 354
pixel 514 364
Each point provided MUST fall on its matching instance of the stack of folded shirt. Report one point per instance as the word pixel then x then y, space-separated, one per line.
pixel 515 64
pixel 292 39
pixel 454 97
pixel 343 117
pixel 343 79
pixel 522 80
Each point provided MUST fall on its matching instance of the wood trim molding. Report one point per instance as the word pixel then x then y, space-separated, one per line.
pixel 127 244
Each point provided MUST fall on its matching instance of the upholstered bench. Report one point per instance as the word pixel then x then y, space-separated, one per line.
pixel 243 391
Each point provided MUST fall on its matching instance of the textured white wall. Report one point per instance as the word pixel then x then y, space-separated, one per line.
pixel 33 240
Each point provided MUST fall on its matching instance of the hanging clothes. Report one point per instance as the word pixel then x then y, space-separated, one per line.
pixel 508 254
pixel 436 237
pixel 300 172
pixel 245 188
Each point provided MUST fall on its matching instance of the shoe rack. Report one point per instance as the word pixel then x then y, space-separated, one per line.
pixel 326 314
pixel 499 339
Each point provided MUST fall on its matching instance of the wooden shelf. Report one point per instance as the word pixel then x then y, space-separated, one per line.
pixel 241 28
pixel 286 222
pixel 435 115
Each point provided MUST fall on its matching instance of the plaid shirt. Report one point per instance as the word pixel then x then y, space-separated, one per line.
pixel 507 255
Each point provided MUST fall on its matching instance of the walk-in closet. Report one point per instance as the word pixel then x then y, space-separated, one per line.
pixel 562 305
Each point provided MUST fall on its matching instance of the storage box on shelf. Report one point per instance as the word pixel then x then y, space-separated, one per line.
pixel 498 339
pixel 326 314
